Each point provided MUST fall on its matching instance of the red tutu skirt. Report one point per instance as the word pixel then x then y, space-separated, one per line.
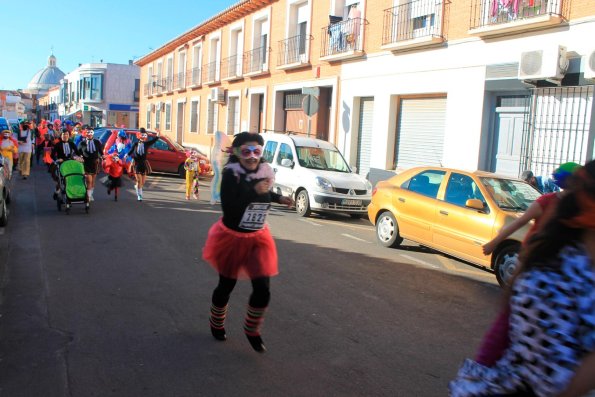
pixel 241 255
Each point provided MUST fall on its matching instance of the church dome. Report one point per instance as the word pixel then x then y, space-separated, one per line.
pixel 47 77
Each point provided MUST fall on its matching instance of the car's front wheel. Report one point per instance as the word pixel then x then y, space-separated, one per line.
pixel 506 263
pixel 302 203
pixel 387 230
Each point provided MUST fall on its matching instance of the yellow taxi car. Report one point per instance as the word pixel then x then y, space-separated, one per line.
pixel 453 211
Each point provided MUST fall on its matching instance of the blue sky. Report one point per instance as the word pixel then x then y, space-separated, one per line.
pixel 88 31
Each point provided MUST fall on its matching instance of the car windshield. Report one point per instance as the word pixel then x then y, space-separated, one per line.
pixel 510 194
pixel 321 159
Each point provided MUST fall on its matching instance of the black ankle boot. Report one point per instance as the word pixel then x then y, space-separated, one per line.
pixel 219 333
pixel 256 343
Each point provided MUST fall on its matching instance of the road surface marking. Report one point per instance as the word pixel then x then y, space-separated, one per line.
pixel 354 238
pixel 187 209
pixel 344 224
pixel 419 261
pixel 310 222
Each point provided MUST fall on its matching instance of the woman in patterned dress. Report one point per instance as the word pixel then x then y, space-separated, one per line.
pixel 552 320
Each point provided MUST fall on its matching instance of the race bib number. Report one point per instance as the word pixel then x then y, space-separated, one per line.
pixel 255 216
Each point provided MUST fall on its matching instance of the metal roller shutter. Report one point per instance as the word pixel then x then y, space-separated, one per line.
pixel 420 133
pixel 364 137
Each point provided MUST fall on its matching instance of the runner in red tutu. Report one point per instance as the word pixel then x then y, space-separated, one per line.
pixel 240 244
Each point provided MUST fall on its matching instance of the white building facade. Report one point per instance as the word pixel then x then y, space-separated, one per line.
pixel 101 94
pixel 471 105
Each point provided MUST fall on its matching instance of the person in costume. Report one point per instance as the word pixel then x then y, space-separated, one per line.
pixel 62 151
pixel 91 150
pixel 42 130
pixel 46 148
pixel 552 308
pixel 119 143
pixel 192 167
pixel 138 153
pixel 240 244
pixel 496 339
pixel 25 149
pixel 114 168
pixel 9 147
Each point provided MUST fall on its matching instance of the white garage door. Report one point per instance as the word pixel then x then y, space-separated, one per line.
pixel 420 132
pixel 364 140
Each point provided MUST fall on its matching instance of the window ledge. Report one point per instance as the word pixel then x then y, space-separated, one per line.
pixel 257 73
pixel 295 65
pixel 343 55
pixel 209 83
pixel 233 78
pixel 414 43
pixel 520 25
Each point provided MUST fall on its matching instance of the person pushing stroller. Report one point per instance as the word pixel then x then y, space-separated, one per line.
pixel 91 150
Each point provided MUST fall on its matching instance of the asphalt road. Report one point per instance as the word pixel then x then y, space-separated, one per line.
pixel 116 303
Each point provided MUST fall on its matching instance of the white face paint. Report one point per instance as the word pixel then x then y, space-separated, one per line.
pixel 120 146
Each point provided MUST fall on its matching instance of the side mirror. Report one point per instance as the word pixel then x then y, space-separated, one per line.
pixel 287 163
pixel 475 204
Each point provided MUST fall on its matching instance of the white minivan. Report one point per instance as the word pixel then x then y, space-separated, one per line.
pixel 314 173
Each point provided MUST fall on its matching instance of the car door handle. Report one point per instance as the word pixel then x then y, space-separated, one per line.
pixel 401 199
pixel 444 212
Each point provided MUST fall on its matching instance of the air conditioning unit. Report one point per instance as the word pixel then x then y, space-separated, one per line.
pixel 218 94
pixel 589 65
pixel 545 64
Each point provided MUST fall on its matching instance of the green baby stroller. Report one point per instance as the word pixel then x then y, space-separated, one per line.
pixel 73 187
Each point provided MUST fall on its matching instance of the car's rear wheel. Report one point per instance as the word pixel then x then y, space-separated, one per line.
pixel 387 230
pixel 4 216
pixel 302 203
pixel 182 171
pixel 506 263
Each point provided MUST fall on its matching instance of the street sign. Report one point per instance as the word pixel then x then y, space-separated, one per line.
pixel 311 91
pixel 310 105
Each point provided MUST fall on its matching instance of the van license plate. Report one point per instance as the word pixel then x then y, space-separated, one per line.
pixel 351 202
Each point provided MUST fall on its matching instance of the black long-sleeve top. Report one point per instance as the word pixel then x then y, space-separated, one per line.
pixel 132 152
pixel 82 149
pixel 58 151
pixel 236 194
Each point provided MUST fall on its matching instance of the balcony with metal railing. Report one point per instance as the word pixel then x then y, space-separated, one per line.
pixel 194 76
pixel 210 73
pixel 293 52
pixel 231 68
pixel 256 61
pixel 418 23
pixel 342 40
pixel 499 17
pixel 180 81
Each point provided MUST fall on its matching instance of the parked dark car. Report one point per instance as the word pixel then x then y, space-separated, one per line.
pixel 164 156
pixel 4 193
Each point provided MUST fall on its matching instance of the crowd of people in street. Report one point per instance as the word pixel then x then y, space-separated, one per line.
pixel 55 142
pixel 542 341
